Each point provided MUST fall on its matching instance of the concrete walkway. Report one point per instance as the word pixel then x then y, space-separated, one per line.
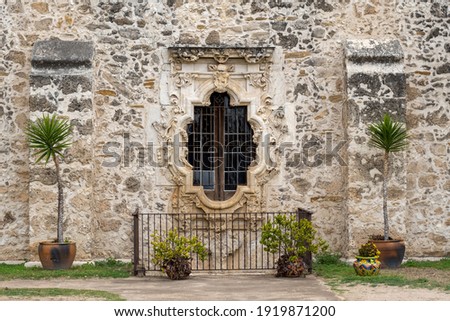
pixel 199 287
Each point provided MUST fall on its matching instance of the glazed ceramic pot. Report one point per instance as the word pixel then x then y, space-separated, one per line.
pixel 391 252
pixel 367 266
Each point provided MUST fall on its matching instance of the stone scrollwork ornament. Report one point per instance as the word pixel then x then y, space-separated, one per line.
pixel 221 55
pixel 221 76
pixel 252 55
pixel 189 54
pixel 174 99
pixel 255 55
pixel 184 79
pixel 165 132
pixel 278 120
pixel 266 108
pixel 174 102
pixel 258 80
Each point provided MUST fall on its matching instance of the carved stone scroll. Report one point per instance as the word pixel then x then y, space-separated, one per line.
pixel 184 79
pixel 258 80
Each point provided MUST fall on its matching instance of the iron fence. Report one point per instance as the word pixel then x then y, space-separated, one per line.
pixel 232 239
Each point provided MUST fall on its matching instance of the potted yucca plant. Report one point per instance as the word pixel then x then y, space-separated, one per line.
pixel 49 136
pixel 390 137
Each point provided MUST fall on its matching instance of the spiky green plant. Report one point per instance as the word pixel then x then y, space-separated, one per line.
pixel 49 136
pixel 390 137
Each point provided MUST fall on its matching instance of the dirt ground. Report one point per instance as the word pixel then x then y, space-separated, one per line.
pixel 382 292
pixel 344 292
pixel 389 293
pixel 440 276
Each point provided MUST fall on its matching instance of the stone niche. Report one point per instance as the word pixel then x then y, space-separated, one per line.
pixel 376 84
pixel 61 84
pixel 247 76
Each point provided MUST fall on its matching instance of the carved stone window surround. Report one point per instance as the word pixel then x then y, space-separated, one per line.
pixel 195 73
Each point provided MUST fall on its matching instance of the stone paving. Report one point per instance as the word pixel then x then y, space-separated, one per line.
pixel 199 287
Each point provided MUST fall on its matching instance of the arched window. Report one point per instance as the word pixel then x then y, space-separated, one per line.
pixel 221 148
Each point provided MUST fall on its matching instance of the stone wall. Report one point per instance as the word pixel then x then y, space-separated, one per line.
pixel 426 45
pixel 326 164
pixel 14 112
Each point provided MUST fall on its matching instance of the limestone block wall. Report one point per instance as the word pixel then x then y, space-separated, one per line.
pixel 14 169
pixel 425 41
pixel 326 166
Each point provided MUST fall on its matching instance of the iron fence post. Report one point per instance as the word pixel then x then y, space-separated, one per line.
pixel 138 269
pixel 305 214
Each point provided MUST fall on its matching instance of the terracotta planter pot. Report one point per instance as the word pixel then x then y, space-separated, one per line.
pixel 367 266
pixel 290 269
pixel 56 256
pixel 391 252
pixel 178 268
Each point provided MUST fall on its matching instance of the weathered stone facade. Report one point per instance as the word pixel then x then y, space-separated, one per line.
pixel 333 68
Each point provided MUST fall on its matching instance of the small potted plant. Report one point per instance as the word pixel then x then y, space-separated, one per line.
pixel 49 136
pixel 292 239
pixel 367 262
pixel 389 136
pixel 172 252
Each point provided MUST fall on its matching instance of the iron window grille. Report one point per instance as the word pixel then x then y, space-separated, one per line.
pixel 220 147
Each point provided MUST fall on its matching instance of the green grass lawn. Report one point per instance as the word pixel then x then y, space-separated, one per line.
pixel 102 269
pixel 337 272
pixel 443 264
pixel 27 293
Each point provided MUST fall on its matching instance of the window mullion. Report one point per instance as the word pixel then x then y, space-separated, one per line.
pixel 219 170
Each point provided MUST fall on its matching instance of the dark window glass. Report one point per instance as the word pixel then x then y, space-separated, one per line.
pixel 221 148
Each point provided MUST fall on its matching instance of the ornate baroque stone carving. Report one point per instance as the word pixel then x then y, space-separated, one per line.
pixel 174 102
pixel 252 55
pixel 244 74
pixel 258 80
pixel 184 79
pixel 266 108
pixel 221 76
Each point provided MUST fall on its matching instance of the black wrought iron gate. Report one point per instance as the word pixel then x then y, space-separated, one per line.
pixel 232 239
